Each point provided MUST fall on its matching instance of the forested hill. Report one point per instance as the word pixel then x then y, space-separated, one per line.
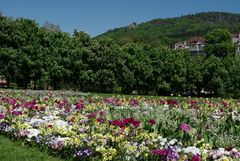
pixel 169 30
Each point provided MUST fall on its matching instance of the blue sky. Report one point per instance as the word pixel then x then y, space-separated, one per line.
pixel 98 16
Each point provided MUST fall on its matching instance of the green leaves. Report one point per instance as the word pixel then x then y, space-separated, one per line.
pixel 219 43
pixel 37 58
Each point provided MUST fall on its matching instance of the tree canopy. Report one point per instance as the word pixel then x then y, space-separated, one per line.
pixel 167 31
pixel 219 43
pixel 35 57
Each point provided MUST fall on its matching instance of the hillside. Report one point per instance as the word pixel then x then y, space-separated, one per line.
pixel 169 30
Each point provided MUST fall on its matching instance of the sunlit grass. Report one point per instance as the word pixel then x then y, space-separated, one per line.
pixel 14 151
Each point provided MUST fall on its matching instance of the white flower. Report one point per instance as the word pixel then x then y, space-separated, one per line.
pixel 159 137
pixel 49 118
pixel 61 124
pixel 165 106
pixel 173 141
pixel 214 156
pixel 164 140
pixel 32 133
pixel 192 150
pixel 235 115
pixel 36 122
pixel 234 150
pixel 162 143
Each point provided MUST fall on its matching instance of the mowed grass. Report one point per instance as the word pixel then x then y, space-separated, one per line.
pixel 14 151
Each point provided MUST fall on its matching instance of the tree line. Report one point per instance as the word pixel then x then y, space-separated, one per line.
pixel 46 58
pixel 166 31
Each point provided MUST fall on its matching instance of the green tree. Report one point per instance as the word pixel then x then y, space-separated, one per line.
pixel 194 74
pixel 140 65
pixel 8 61
pixel 215 76
pixel 81 74
pixel 233 80
pixel 219 43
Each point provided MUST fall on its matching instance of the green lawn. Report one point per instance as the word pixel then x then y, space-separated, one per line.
pixel 14 151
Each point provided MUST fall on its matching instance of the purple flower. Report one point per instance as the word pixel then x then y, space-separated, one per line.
pixel 83 153
pixel 185 127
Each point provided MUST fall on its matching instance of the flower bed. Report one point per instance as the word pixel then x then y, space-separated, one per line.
pixel 77 126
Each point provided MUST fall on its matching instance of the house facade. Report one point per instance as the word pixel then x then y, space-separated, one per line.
pixel 196 44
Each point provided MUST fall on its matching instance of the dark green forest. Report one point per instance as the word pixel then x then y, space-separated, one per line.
pixel 170 30
pixel 38 57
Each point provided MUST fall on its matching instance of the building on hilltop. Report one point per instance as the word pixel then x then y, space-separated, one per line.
pixel 236 41
pixel 180 45
pixel 133 25
pixel 194 45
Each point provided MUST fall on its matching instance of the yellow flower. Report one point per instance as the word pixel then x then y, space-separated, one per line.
pixel 145 155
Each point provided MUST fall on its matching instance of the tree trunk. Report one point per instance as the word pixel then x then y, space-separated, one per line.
pixel 35 84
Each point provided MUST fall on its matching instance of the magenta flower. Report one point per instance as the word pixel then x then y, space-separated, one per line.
pixel 2 116
pixel 185 127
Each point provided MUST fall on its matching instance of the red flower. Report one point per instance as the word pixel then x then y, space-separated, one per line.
pixel 136 123
pixel 229 148
pixel 152 122
pixel 100 119
pixel 91 115
pixel 42 108
pixel 128 120
pixel 196 158
pixel 79 106
pixel 67 109
pixel 159 152
pixel 118 123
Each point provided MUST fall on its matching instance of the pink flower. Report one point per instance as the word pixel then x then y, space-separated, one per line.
pixel 185 127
